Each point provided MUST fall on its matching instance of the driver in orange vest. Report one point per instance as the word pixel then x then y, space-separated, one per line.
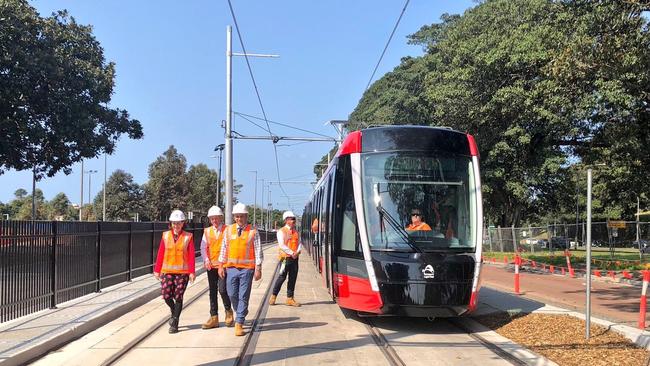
pixel 210 249
pixel 240 261
pixel 175 266
pixel 290 247
pixel 416 222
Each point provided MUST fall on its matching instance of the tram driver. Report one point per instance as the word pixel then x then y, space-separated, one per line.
pixel 417 222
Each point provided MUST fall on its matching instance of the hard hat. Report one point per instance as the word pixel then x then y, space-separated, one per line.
pixel 214 211
pixel 177 215
pixel 239 208
pixel 288 214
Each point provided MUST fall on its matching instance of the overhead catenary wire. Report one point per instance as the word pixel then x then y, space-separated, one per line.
pixel 276 138
pixel 259 99
pixel 281 124
pixel 387 43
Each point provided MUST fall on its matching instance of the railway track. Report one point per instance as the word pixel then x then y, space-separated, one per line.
pixel 378 337
pixel 245 352
pixel 396 357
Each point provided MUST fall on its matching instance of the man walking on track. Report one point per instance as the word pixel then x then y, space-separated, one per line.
pixel 210 250
pixel 240 261
pixel 290 247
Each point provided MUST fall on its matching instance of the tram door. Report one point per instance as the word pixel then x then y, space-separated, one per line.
pixel 329 229
pixel 323 231
pixel 346 243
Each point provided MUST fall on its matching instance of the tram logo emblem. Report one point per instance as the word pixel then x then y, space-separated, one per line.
pixel 428 271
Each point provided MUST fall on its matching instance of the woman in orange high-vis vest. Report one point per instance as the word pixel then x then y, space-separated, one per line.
pixel 210 250
pixel 290 247
pixel 240 261
pixel 417 223
pixel 175 266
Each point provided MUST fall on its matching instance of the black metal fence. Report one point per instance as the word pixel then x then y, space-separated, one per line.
pixel 44 263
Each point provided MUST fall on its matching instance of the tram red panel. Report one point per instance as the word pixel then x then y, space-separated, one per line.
pixel 351 144
pixel 357 294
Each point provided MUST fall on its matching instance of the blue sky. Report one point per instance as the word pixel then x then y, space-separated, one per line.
pixel 170 62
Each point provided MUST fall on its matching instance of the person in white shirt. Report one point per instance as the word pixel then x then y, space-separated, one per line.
pixel 210 250
pixel 290 247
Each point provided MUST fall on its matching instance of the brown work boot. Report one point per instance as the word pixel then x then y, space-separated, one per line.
pixel 230 319
pixel 272 300
pixel 239 330
pixel 213 322
pixel 292 302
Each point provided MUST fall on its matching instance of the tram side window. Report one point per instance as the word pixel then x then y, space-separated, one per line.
pixel 349 232
pixel 350 239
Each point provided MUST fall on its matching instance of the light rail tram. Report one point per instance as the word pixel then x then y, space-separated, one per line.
pixel 395 223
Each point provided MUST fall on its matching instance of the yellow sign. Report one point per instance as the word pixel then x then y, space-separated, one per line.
pixel 616 224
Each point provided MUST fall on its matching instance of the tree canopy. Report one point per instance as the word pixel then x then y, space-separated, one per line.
pixel 55 87
pixel 167 187
pixel 203 188
pixel 124 198
pixel 546 87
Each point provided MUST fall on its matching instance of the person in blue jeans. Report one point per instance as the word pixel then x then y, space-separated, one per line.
pixel 240 261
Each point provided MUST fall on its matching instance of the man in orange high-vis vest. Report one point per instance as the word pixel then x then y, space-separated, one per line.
pixel 210 250
pixel 175 261
pixel 290 247
pixel 240 261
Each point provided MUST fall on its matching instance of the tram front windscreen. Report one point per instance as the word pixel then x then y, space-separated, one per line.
pixel 419 201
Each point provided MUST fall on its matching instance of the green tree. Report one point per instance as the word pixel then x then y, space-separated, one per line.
pixel 167 188
pixel 54 89
pixel 542 86
pixel 124 198
pixel 203 188
pixel 20 193
pixel 60 207
pixel 24 207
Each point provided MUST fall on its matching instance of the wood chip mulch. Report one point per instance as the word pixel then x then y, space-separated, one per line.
pixel 561 338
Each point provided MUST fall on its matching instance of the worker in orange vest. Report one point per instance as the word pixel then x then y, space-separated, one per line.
pixel 175 266
pixel 210 250
pixel 290 247
pixel 240 261
pixel 417 222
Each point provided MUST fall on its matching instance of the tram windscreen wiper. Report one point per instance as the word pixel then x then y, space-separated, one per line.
pixel 383 214
pixel 400 230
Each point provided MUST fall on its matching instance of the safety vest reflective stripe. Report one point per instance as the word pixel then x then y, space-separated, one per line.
pixel 215 240
pixel 291 240
pixel 174 260
pixel 241 249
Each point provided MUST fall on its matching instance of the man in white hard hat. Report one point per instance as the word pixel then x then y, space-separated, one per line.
pixel 172 270
pixel 290 247
pixel 240 261
pixel 210 250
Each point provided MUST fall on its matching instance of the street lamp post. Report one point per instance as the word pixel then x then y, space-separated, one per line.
pixel 262 206
pixel 104 190
pixel 90 173
pixel 255 199
pixel 81 193
pixel 268 212
pixel 34 193
pixel 588 261
pixel 220 149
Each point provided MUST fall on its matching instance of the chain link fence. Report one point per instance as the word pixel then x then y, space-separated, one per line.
pixel 628 236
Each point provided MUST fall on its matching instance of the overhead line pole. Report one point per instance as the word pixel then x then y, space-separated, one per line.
pixel 229 137
pixel 229 179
